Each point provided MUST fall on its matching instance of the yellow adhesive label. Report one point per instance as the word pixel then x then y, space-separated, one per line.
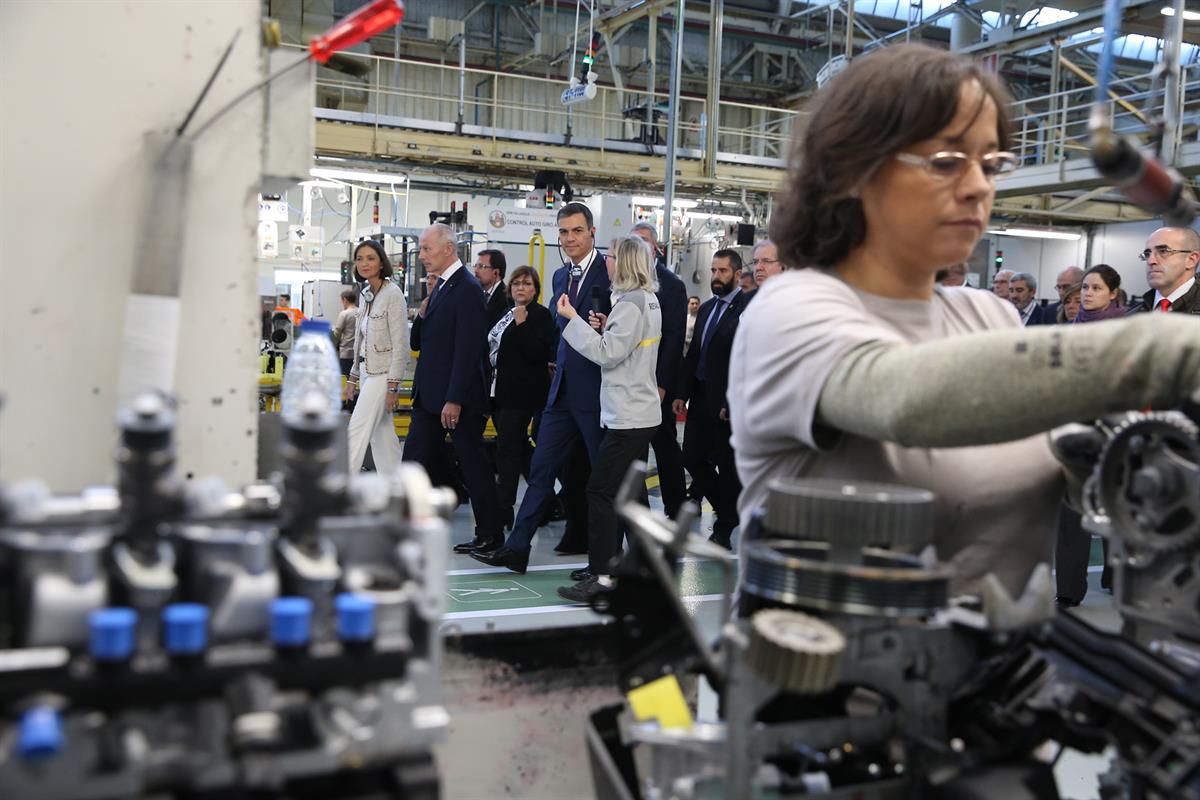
pixel 662 700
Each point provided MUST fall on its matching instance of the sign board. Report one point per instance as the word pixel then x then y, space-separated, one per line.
pixel 272 210
pixel 518 224
pixel 306 242
pixel 268 239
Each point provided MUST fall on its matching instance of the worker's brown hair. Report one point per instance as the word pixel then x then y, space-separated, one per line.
pixel 385 265
pixel 882 103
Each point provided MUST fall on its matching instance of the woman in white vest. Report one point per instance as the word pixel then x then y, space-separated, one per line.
pixel 380 358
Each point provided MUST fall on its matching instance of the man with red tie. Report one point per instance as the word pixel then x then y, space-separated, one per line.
pixel 1171 256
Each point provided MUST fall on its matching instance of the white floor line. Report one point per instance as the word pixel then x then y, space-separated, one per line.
pixel 548 567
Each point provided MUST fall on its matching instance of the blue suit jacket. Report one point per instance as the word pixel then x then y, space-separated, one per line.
pixel 672 300
pixel 452 339
pixel 576 378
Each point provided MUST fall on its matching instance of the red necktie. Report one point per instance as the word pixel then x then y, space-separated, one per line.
pixel 1164 305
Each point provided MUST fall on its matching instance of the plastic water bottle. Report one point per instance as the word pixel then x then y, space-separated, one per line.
pixel 312 367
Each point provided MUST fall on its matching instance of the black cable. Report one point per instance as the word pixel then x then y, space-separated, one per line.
pixel 247 93
pixel 208 85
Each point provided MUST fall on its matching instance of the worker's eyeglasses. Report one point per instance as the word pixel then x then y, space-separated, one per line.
pixel 763 261
pixel 1160 252
pixel 485 266
pixel 1062 287
pixel 952 165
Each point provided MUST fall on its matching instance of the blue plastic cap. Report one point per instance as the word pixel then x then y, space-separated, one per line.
pixel 40 733
pixel 316 326
pixel 113 633
pixel 291 621
pixel 355 617
pixel 185 628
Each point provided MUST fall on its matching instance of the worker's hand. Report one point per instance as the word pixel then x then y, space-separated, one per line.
pixel 565 309
pixel 679 408
pixel 391 400
pixel 662 394
pixel 421 310
pixel 724 414
pixel 450 415
pixel 348 391
pixel 520 314
pixel 597 320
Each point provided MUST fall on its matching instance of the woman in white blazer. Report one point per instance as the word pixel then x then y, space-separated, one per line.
pixel 380 356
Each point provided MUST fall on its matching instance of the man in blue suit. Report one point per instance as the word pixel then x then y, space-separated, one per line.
pixel 573 405
pixel 448 385
pixel 672 300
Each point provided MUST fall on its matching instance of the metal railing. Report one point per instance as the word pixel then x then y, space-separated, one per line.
pixel 504 103
pixel 1053 127
pixel 1048 128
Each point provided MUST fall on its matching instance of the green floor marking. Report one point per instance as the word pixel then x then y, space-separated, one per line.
pixel 497 591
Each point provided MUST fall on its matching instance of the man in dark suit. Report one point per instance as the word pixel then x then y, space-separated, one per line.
pixel 1171 257
pixel 1022 291
pixel 707 453
pixel 672 301
pixel 572 410
pixel 448 385
pixel 490 269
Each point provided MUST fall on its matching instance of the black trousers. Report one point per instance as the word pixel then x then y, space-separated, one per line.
pixel 618 450
pixel 708 456
pixel 1072 548
pixel 512 454
pixel 669 459
pixel 426 438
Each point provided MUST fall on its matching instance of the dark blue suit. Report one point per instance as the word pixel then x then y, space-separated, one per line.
pixel 572 407
pixel 672 299
pixel 452 340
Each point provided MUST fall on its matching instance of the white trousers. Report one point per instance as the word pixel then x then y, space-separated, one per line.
pixel 371 423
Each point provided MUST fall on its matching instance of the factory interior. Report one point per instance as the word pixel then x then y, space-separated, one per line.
pixel 909 543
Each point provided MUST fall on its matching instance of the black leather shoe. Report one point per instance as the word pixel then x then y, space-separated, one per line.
pixel 583 591
pixel 478 543
pixel 721 539
pixel 509 559
pixel 1065 602
pixel 579 574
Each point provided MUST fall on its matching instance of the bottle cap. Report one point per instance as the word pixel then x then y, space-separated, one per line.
pixel 185 628
pixel 40 733
pixel 291 621
pixel 355 617
pixel 112 633
pixel 315 326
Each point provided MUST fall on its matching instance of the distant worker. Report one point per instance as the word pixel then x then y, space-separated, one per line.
pixel 765 262
pixel 693 308
pixel 343 329
pixel 1063 283
pixel 285 306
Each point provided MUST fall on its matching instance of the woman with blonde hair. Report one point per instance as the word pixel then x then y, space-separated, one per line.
pixel 625 345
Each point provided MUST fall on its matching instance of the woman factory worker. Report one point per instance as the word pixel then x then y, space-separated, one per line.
pixel 858 367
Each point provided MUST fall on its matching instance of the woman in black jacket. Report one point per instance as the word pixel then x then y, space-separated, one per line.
pixel 521 348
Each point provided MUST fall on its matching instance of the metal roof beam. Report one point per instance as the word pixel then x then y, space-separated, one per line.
pixel 1032 37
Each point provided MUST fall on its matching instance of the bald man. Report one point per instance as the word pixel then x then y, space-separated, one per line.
pixel 1171 257
pixel 1000 283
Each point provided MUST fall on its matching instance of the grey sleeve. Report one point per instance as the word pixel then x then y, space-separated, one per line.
pixel 998 386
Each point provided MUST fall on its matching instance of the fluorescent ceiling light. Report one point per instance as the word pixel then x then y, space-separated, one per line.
pixel 702 215
pixel 357 175
pixel 1189 16
pixel 658 202
pixel 1035 233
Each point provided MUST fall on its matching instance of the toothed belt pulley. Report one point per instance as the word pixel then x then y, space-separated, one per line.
pixel 1148 480
pixel 825 550
pixel 794 651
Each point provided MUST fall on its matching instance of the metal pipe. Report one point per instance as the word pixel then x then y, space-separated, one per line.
pixel 673 125
pixel 462 80
pixel 652 82
pixel 714 87
pixel 849 29
pixel 1055 79
pixel 1172 86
